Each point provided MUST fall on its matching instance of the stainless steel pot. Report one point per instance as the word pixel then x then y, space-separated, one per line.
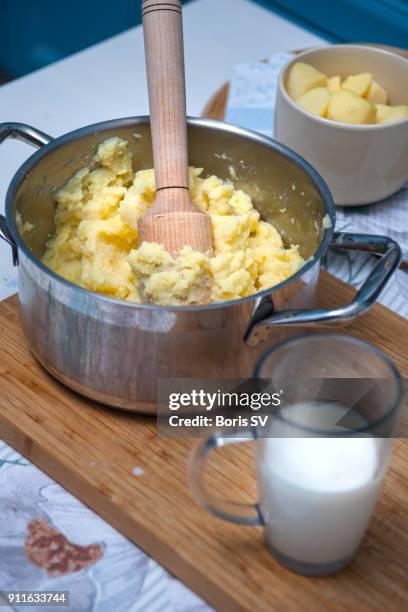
pixel 114 351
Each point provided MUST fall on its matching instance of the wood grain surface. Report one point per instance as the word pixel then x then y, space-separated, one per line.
pixel 92 451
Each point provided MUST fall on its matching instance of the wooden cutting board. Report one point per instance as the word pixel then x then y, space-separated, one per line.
pixel 92 451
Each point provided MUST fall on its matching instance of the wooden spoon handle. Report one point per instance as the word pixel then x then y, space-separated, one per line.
pixel 163 37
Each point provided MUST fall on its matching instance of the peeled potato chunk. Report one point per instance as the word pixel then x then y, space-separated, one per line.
pixel 315 101
pixel 359 83
pixel 376 94
pixel 303 77
pixel 348 107
pixel 334 84
pixel 382 111
pixel 388 114
pixel 358 99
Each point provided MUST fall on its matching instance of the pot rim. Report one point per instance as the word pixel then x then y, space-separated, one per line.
pixel 96 128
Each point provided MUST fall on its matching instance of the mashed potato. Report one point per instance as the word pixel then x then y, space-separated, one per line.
pixel 95 243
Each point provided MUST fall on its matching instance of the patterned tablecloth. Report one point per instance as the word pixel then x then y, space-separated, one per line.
pixel 48 539
pixel 51 541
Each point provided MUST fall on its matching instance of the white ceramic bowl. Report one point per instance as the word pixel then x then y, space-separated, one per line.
pixel 361 163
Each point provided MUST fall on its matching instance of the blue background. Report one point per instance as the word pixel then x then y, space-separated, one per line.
pixel 34 33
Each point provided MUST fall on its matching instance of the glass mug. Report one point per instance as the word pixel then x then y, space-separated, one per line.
pixel 318 475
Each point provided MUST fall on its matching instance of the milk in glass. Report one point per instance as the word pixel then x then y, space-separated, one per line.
pixel 317 494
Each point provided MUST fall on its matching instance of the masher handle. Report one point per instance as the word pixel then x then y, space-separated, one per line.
pixel 163 37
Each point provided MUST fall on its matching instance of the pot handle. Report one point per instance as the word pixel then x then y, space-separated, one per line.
pixel 25 133
pixel 29 135
pixel 7 237
pixel 390 258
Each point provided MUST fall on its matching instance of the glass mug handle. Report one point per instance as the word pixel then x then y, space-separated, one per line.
pixel 234 512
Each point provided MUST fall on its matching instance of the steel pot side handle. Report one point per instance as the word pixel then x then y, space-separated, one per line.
pixel 234 512
pixel 31 136
pixel 390 258
pixel 7 237
pixel 25 133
